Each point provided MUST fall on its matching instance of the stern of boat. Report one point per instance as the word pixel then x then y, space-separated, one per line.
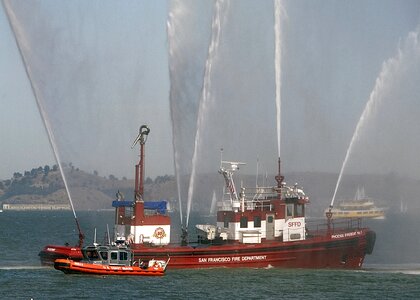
pixel 62 265
pixel 370 241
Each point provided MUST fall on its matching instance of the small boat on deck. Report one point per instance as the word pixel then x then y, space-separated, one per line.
pixel 115 259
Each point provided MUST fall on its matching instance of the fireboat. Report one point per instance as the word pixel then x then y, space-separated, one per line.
pixel 256 227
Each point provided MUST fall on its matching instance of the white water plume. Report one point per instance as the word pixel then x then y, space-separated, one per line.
pixel 220 8
pixel 23 47
pixel 278 16
pixel 99 77
pixel 397 84
pixel 238 115
pixel 187 34
pixel 171 33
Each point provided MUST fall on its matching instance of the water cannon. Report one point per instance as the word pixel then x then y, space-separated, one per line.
pixel 143 133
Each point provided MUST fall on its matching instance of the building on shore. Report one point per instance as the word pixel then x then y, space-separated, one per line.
pixel 7 206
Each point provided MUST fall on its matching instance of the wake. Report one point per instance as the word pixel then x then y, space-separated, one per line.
pixel 24 267
pixel 410 269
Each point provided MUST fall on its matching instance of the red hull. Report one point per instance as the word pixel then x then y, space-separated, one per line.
pixel 345 250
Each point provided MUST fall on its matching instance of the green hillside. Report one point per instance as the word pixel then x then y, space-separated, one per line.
pixel 44 185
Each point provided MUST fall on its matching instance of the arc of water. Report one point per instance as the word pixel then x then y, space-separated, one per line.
pixel 205 96
pixel 13 23
pixel 370 105
pixel 383 80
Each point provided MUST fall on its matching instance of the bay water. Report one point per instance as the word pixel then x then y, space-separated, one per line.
pixel 391 272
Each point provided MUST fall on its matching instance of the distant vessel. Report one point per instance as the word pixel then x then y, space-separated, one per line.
pixel 114 259
pixel 256 227
pixel 360 207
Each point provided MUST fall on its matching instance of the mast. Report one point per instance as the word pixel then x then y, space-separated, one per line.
pixel 279 178
pixel 228 176
pixel 81 235
pixel 139 179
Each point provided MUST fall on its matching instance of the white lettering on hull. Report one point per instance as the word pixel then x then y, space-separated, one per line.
pixel 228 259
pixel 347 234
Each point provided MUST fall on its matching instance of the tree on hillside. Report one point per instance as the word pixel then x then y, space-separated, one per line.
pixel 34 172
pixel 17 175
pixel 46 170
pixel 163 179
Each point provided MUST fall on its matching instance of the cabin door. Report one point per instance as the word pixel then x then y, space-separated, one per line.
pixel 269 227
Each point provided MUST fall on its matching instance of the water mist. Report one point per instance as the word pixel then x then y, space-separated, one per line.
pixel 22 47
pixel 392 71
pixel 188 35
pixel 205 96
pixel 278 15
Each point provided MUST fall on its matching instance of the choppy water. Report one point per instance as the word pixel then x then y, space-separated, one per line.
pixel 391 272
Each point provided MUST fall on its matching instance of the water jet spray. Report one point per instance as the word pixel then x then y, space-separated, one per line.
pixel 12 20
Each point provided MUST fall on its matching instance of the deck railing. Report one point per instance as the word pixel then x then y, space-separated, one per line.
pixel 336 226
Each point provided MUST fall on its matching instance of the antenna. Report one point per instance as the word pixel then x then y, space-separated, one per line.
pixel 256 177
pixel 94 237
pixel 221 157
pixel 107 230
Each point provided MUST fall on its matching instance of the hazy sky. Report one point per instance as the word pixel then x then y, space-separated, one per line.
pixel 94 63
pixel 106 63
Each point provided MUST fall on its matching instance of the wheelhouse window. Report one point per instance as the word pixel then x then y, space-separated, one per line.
pixel 114 255
pixel 92 254
pixel 289 210
pixel 257 221
pixel 244 222
pixel 123 256
pixel 104 255
pixel 300 210
pixel 226 221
